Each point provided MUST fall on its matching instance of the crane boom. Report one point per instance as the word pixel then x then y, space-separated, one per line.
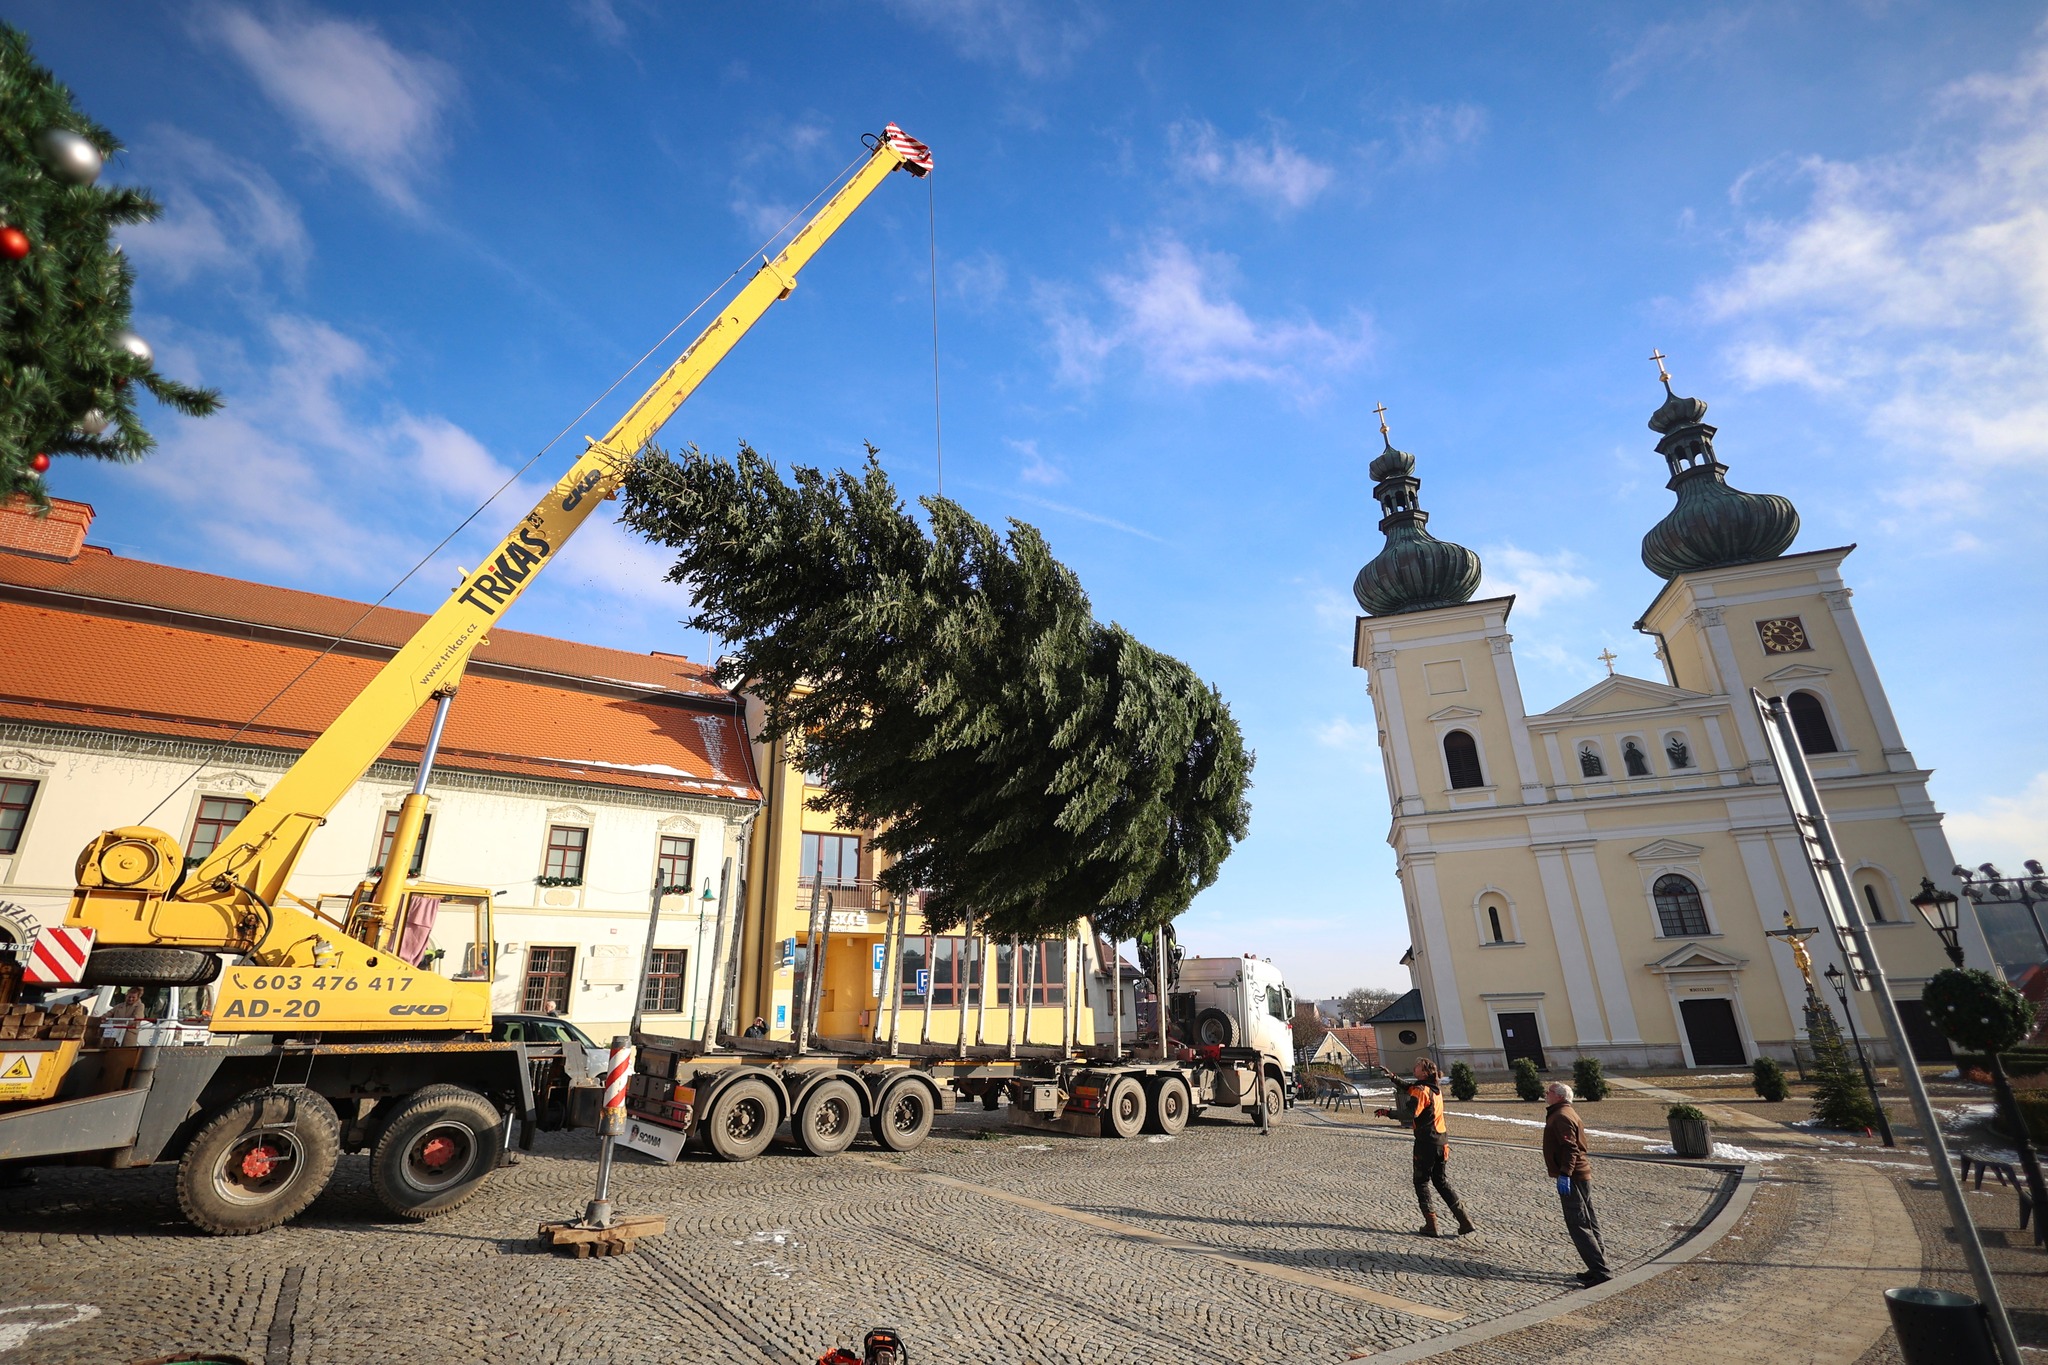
pixel 257 857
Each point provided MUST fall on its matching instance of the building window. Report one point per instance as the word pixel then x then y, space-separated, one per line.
pixel 1407 1037
pixel 1876 904
pixel 566 846
pixel 1632 760
pixel 664 993
pixel 390 836
pixel 1461 756
pixel 15 799
pixel 1493 922
pixel 1810 723
pixel 1590 764
pixel 217 815
pixel 1680 911
pixel 1047 969
pixel 1675 749
pixel 834 856
pixel 547 980
pixel 672 865
pixel 955 972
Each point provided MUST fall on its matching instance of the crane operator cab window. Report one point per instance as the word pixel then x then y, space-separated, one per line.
pixel 439 927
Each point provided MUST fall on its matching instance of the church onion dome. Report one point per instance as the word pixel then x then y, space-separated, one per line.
pixel 1415 571
pixel 1713 525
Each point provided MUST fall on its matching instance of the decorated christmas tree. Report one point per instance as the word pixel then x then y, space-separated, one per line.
pixel 69 364
pixel 1025 764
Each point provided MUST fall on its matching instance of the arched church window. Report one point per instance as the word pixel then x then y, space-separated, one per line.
pixel 1461 757
pixel 1875 902
pixel 1632 759
pixel 1675 749
pixel 1810 723
pixel 1589 762
pixel 1493 919
pixel 1680 911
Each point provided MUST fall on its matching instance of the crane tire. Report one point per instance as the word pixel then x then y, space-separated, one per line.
pixel 1124 1109
pixel 904 1117
pixel 742 1120
pixel 149 967
pixel 1214 1028
pixel 828 1118
pixel 259 1161
pixel 434 1150
pixel 1170 1104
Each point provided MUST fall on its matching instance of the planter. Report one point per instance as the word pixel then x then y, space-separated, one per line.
pixel 1691 1137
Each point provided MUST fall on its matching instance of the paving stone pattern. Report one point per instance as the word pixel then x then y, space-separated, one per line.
pixel 778 1259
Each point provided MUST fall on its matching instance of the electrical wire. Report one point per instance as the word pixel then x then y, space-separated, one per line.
pixel 335 643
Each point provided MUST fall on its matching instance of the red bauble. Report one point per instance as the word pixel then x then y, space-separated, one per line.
pixel 13 243
pixel 40 463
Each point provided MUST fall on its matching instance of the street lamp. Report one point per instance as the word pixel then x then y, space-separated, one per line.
pixel 697 959
pixel 1941 909
pixel 1841 986
pixel 1998 889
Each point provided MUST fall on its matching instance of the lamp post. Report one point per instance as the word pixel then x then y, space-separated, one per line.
pixel 1939 908
pixel 1998 889
pixel 697 958
pixel 1841 986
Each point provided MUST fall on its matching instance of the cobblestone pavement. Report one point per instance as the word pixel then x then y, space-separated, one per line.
pixel 985 1245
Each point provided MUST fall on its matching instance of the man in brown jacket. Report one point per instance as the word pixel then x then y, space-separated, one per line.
pixel 1564 1155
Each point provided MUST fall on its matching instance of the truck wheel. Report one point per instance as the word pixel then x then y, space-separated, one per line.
pixel 1275 1098
pixel 741 1122
pixel 435 1150
pixel 1214 1028
pixel 828 1119
pixel 1123 1114
pixel 1169 1108
pixel 149 967
pixel 903 1117
pixel 259 1162
pixel 992 1096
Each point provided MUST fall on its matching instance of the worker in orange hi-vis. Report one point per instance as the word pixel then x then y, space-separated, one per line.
pixel 1421 1106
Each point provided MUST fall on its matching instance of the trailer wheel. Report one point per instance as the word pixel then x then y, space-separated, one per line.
pixel 741 1122
pixel 435 1150
pixel 903 1117
pixel 1170 1104
pixel 828 1119
pixel 1123 1113
pixel 259 1162
pixel 149 967
pixel 1214 1028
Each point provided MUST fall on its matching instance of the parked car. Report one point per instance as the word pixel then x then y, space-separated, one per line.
pixel 584 1057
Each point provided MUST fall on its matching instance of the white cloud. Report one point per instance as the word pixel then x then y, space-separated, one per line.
pixel 2003 829
pixel 1040 38
pixel 1536 580
pixel 1271 172
pixel 221 214
pixel 359 101
pixel 1036 468
pixel 1673 42
pixel 1912 287
pixel 1173 312
pixel 1431 132
pixel 602 18
pixel 1342 732
pixel 977 279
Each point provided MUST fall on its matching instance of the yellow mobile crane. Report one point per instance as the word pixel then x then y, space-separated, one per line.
pixel 335 1015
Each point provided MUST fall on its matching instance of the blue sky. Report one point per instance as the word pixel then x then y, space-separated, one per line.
pixel 1184 249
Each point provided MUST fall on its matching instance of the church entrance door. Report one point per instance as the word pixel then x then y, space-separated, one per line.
pixel 1710 1028
pixel 1518 1038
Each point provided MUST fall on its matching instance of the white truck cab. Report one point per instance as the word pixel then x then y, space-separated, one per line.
pixel 1237 1002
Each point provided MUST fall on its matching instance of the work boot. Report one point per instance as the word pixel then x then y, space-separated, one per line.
pixel 1465 1224
pixel 1428 1228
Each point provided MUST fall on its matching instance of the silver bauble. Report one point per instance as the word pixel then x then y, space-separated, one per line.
pixel 70 157
pixel 135 346
pixel 93 422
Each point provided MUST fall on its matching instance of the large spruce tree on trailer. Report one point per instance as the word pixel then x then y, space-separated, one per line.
pixel 1025 764
pixel 69 365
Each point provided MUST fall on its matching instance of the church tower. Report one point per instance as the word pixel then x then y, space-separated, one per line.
pixel 1601 878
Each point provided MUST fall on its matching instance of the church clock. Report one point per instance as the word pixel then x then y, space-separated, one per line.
pixel 1783 635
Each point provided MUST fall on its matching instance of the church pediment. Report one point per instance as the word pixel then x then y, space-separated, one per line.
pixel 1456 713
pixel 1698 957
pixel 1794 672
pixel 1667 851
pixel 1620 692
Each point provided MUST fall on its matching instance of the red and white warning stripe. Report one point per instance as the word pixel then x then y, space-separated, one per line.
pixel 57 957
pixel 915 154
pixel 615 1080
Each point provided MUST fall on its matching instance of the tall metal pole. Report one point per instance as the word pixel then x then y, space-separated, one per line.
pixel 981 989
pixel 714 1008
pixel 1010 1048
pixel 1029 983
pixel 1828 867
pixel 1116 1000
pixel 697 975
pixel 931 985
pixel 960 987
pixel 647 954
pixel 1066 992
pixel 899 924
pixel 811 954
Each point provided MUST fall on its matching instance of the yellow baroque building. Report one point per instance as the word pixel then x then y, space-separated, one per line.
pixel 1598 879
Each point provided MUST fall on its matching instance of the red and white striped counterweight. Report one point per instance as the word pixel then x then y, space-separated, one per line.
pixel 614 1121
pixel 57 957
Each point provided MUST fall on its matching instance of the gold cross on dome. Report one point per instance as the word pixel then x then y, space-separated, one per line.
pixel 1659 357
pixel 1381 413
pixel 1607 656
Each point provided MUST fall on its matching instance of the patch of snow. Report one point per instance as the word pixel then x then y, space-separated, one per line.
pixel 713 730
pixel 653 769
pixel 1160 1137
pixel 1723 1151
pixel 1032 1147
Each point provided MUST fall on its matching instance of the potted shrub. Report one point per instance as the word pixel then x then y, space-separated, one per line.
pixel 1767 1078
pixel 1464 1085
pixel 1528 1080
pixel 1690 1135
pixel 1588 1081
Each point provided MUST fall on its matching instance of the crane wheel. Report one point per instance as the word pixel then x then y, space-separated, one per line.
pixel 149 967
pixel 435 1149
pixel 259 1162
pixel 1214 1028
pixel 742 1120
pixel 1123 1113
pixel 828 1118
pixel 1170 1106
pixel 904 1117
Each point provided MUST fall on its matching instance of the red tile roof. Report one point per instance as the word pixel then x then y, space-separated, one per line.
pixel 1363 1042
pixel 109 643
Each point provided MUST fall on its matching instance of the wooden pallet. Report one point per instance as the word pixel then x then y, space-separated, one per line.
pixel 617 1240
